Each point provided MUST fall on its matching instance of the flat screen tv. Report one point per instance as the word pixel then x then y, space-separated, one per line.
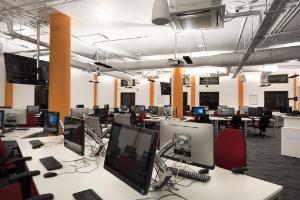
pixel 278 78
pixel 165 88
pixel 124 83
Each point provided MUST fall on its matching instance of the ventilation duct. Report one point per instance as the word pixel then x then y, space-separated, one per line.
pixel 264 77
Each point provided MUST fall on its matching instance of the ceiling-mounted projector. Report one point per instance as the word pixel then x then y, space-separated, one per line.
pixel 175 63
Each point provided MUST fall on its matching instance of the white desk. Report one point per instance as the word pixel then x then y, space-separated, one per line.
pixel 223 184
pixel 290 137
pixel 19 134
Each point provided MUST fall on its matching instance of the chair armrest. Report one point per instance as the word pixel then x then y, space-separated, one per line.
pixel 19 160
pixel 24 175
pixel 239 170
pixel 48 196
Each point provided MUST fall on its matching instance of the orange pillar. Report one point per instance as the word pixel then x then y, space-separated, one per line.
pixel 60 64
pixel 240 92
pixel 177 91
pixel 95 90
pixel 116 94
pixel 295 105
pixel 193 91
pixel 151 93
pixel 9 94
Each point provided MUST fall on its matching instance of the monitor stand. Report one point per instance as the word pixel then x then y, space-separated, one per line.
pixel 162 169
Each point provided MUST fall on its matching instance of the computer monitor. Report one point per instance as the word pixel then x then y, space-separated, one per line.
pixel 227 112
pixel 193 142
pixel 168 109
pixel 244 110
pixel 1 119
pixel 102 113
pixel 124 108
pixel 106 106
pixel 133 108
pixel 33 109
pixel 79 112
pixel 80 106
pixel 15 117
pixel 153 109
pixel 260 111
pixel 129 160
pixel 198 111
pixel 93 128
pixel 52 124
pixel 141 108
pixel 74 131
pixel 122 118
pixel 252 111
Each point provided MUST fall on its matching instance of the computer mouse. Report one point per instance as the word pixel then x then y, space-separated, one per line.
pixel 50 175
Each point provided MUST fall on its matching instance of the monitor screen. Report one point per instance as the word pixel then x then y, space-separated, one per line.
pixel 165 88
pixel 153 109
pixel 193 142
pixel 79 112
pixel 141 108
pixel 1 118
pixel 198 111
pixel 33 109
pixel 130 155
pixel 15 116
pixel 53 122
pixel 244 110
pixel 74 131
pixel 102 113
pixel 124 107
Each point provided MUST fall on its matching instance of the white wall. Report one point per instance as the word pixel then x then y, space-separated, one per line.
pixel 106 91
pixel 82 91
pixel 2 81
pixel 23 95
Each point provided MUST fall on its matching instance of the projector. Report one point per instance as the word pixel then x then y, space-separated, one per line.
pixel 175 63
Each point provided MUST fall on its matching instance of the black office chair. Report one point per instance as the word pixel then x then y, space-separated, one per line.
pixel 134 120
pixel 204 119
pixel 236 122
pixel 262 125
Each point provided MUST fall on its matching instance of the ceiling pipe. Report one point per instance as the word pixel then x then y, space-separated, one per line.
pixel 259 57
pixel 267 23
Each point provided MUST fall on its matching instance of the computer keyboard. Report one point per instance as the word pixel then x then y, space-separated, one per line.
pixel 36 143
pixel 190 175
pixel 50 163
pixel 87 195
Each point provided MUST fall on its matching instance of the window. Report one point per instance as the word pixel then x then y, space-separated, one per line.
pixel 210 99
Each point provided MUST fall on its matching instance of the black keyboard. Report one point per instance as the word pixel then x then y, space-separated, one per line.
pixel 50 163
pixel 190 175
pixel 87 195
pixel 36 143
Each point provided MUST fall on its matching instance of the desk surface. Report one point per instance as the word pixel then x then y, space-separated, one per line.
pixel 223 184
pixel 19 134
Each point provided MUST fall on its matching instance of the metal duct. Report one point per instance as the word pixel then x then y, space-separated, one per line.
pixel 259 57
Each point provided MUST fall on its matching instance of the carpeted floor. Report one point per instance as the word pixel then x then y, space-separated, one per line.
pixel 266 163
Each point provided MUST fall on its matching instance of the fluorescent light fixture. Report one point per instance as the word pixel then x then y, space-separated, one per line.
pixel 160 12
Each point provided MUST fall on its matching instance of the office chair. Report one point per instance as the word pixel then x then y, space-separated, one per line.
pixel 134 120
pixel 143 116
pixel 31 120
pixel 10 163
pixel 262 125
pixel 236 122
pixel 203 119
pixel 22 187
pixel 230 150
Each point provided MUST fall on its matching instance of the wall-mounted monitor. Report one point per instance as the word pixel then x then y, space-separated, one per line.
pixel 165 88
pixel 209 81
pixel 278 78
pixel 125 83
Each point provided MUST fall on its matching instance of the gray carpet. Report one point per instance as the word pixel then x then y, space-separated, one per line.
pixel 266 163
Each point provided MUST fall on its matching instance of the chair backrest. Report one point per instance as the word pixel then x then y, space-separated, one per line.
pixel 3 153
pixel 204 119
pixel 264 122
pixel 230 149
pixel 236 121
pixel 31 120
pixel 142 116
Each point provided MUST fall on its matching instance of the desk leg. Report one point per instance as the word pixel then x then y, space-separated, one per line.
pixel 144 124
pixel 216 127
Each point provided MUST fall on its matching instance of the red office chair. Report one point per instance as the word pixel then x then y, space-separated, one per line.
pixel 22 187
pixel 31 120
pixel 230 150
pixel 143 116
pixel 10 163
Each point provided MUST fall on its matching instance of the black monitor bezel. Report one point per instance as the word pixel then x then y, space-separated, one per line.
pixel 129 182
pixel 81 152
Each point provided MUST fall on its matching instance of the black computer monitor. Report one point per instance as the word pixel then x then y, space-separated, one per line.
pixel 141 108
pixel 52 124
pixel 198 111
pixel 80 106
pixel 102 113
pixel 1 119
pixel 124 108
pixel 153 109
pixel 131 161
pixel 33 109
pixel 106 106
pixel 260 111
pixel 193 143
pixel 74 131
